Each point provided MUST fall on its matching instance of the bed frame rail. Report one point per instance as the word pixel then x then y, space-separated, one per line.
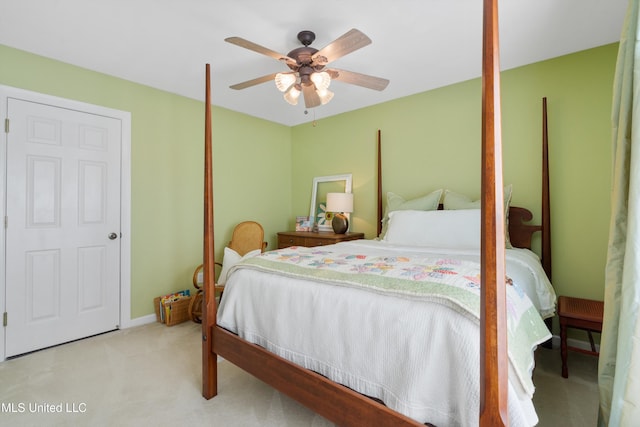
pixel 333 401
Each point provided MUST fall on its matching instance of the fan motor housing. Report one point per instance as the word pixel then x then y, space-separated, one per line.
pixel 302 55
pixel 305 74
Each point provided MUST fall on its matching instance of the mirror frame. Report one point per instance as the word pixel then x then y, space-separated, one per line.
pixel 348 184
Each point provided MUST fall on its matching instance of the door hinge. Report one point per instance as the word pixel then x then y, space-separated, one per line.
pixel 4 319
pixel 6 221
pixel 6 125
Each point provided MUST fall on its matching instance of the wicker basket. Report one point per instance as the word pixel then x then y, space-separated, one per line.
pixel 174 312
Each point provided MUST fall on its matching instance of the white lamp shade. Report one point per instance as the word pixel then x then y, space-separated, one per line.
pixel 325 96
pixel 322 80
pixel 292 95
pixel 284 81
pixel 339 202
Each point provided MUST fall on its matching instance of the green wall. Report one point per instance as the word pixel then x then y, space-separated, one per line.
pixel 430 140
pixel 167 169
pixel 433 139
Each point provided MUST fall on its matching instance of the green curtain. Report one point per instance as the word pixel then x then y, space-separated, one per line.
pixel 619 364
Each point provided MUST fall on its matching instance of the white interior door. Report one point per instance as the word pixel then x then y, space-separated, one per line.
pixel 62 225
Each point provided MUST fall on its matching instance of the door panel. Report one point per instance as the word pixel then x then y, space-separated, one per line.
pixel 42 282
pixel 91 269
pixel 63 201
pixel 43 192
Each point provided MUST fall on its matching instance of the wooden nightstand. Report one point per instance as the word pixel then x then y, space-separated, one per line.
pixel 309 239
pixel 578 313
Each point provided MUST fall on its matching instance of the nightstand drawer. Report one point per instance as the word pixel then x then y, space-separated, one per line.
pixel 284 241
pixel 310 239
pixel 319 242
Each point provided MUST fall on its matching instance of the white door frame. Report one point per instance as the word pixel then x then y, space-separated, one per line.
pixel 125 192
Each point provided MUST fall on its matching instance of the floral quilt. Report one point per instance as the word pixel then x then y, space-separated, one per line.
pixel 448 281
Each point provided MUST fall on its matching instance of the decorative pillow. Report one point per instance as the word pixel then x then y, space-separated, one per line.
pixel 428 202
pixel 454 229
pixel 230 259
pixel 454 201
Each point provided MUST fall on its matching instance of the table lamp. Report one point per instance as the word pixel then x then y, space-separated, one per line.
pixel 339 204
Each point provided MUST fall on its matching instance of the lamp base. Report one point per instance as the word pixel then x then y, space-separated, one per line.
pixel 340 223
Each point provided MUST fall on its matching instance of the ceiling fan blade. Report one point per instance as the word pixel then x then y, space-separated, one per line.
pixel 256 81
pixel 238 41
pixel 348 42
pixel 363 80
pixel 311 98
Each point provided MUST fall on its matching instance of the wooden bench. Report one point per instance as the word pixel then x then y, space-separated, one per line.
pixel 582 314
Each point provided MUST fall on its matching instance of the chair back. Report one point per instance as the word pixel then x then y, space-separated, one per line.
pixel 247 236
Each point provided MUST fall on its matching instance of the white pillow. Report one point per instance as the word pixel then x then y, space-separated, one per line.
pixel 459 201
pixel 428 202
pixel 454 229
pixel 230 259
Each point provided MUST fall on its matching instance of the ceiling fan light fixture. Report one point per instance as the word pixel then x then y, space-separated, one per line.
pixel 284 81
pixel 322 80
pixel 324 95
pixel 292 95
pixel 308 76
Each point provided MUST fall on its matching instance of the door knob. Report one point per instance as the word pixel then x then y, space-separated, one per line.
pixel 113 236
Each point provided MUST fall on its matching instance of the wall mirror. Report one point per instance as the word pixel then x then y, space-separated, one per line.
pixel 321 186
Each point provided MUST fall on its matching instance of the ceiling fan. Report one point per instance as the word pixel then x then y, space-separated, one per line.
pixel 309 74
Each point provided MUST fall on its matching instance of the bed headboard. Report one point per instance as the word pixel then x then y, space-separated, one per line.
pixel 520 230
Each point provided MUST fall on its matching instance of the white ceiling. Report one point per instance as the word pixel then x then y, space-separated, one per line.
pixel 417 44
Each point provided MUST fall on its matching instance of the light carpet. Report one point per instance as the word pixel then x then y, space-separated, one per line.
pixel 150 375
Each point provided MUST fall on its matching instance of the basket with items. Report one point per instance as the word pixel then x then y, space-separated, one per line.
pixel 173 308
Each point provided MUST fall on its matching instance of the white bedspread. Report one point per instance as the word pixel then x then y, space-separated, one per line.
pixel 420 358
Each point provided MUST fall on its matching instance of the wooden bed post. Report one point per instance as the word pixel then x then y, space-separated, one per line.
pixel 379 227
pixel 209 359
pixel 546 204
pixel 493 323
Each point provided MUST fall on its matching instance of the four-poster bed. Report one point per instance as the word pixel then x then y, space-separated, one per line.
pixel 343 405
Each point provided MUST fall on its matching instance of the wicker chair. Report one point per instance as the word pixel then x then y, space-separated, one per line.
pixel 247 236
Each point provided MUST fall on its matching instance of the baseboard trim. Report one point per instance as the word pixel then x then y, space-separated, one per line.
pixel 139 321
pixel 584 345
